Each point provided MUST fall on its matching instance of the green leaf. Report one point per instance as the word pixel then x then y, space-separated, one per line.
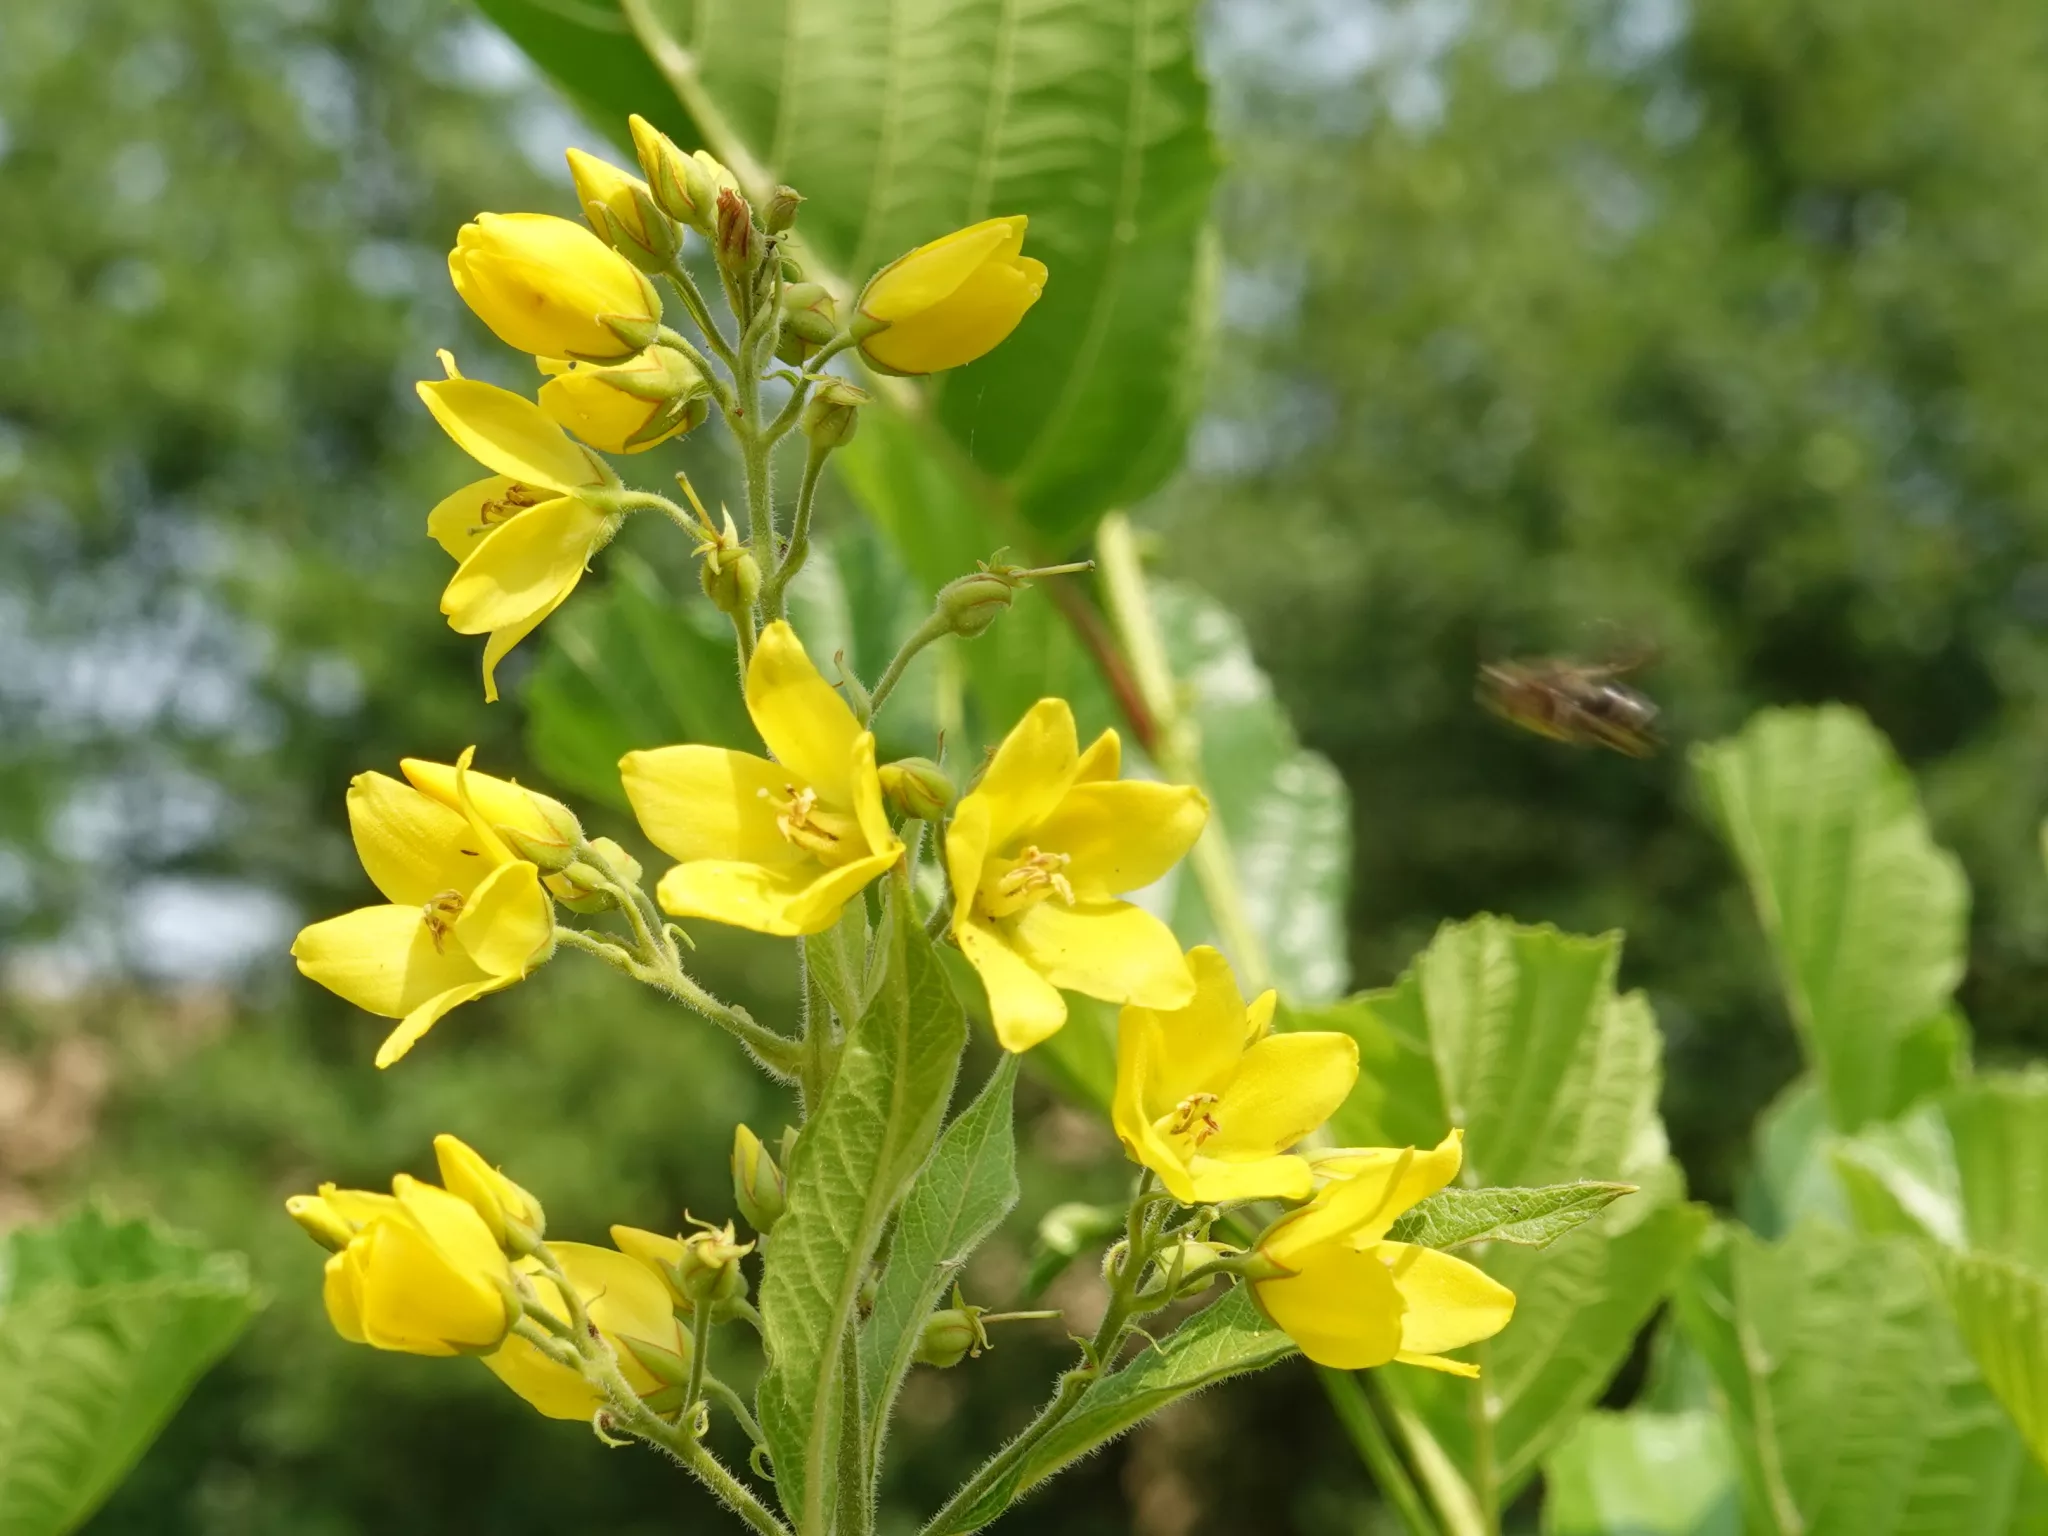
pixel 1227 1338
pixel 1284 809
pixel 1533 1218
pixel 104 1327
pixel 1516 1035
pixel 1643 1474
pixel 1854 1407
pixel 631 667
pixel 1865 914
pixel 2002 1311
pixel 902 122
pixel 959 1197
pixel 874 1125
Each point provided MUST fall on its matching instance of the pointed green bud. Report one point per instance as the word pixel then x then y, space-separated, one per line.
pixel 832 414
pixel 809 320
pixel 758 1187
pixel 737 241
pixel 779 217
pixel 917 787
pixel 951 1334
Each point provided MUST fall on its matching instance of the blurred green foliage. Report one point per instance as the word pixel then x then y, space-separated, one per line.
pixel 1614 327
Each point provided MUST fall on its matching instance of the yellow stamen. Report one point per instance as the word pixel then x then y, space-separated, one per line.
pixel 1192 1114
pixel 1037 871
pixel 793 820
pixel 440 914
pixel 517 499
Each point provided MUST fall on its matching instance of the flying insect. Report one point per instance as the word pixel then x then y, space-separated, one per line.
pixel 1575 702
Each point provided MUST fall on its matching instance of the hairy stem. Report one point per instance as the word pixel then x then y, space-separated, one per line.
pixel 799 547
pixel 931 629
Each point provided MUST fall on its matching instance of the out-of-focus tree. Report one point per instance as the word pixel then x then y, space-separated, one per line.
pixel 1705 336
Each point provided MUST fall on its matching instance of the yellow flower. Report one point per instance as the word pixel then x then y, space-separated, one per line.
pixel 949 302
pixel 466 916
pixel 545 285
pixel 629 408
pixel 780 846
pixel 421 1274
pixel 522 536
pixel 684 186
pixel 1210 1100
pixel 513 1215
pixel 1349 1298
pixel 629 1306
pixel 1037 855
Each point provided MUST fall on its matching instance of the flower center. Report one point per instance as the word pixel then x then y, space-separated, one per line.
pixel 517 499
pixel 440 914
pixel 803 824
pixel 1192 1117
pixel 1035 875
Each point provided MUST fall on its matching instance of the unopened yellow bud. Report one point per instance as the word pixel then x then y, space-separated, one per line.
pixel 420 1275
pixel 629 407
pixel 757 1183
pixel 515 1218
pixel 321 1221
pixel 832 415
pixel 949 302
pixel 685 187
pixel 738 242
pixel 552 288
pixel 703 1267
pixel 623 213
pixel 917 787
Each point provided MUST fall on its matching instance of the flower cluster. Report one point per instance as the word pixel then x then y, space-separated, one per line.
pixel 485 880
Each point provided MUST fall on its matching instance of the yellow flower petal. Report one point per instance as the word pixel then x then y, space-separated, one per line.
pixel 1343 1310
pixel 507 922
pixel 791 901
pixel 1285 1087
pixel 1442 1363
pixel 524 566
pixel 339 1294
pixel 1029 774
pixel 499 646
pixel 1211 1180
pixel 1103 760
pixel 414 1026
pixel 425 1285
pixel 1107 949
pixel 541 283
pixel 919 279
pixel 1139 1064
pixel 1200 1045
pixel 1449 1302
pixel 509 434
pixel 805 722
pixel 625 1299
pixel 967 851
pixel 698 802
pixel 868 809
pixel 500 802
pixel 1023 1006
pixel 412 847
pixel 555 1390
pixel 382 959
pixel 460 521
pixel 451 1223
pixel 1122 835
pixel 1381 1184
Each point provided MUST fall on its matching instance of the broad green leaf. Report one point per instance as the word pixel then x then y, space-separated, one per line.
pixel 835 961
pixel 1854 1407
pixel 902 122
pixel 2002 1310
pixel 1517 1036
pixel 959 1197
pixel 1969 1168
pixel 1643 1474
pixel 1227 1338
pixel 874 1125
pixel 1283 809
pixel 636 665
pixel 1793 1176
pixel 1865 915
pixel 104 1327
pixel 1531 1218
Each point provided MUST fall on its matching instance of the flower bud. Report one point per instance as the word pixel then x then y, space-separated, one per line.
pixel 683 186
pixel 738 242
pixel 917 787
pixel 551 288
pixel 325 1225
pixel 779 217
pixel 951 1334
pixel 758 1187
pixel 515 1218
pixel 832 415
pixel 701 1268
pixel 972 603
pixel 623 213
pixel 732 579
pixel 951 301
pixel 809 320
pixel 630 407
pixel 581 886
pixel 1198 1261
pixel 421 1275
